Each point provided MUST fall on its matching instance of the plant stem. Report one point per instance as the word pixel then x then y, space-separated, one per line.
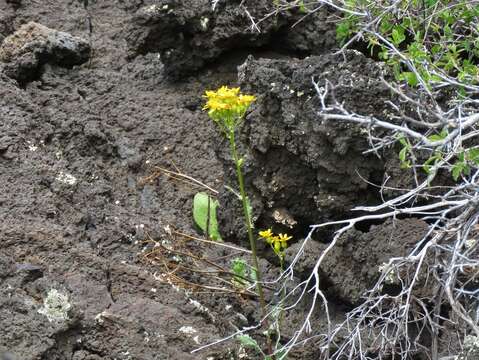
pixel 283 295
pixel 249 225
pixel 247 216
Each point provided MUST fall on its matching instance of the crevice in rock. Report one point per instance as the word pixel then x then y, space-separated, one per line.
pixel 109 285
pixel 189 35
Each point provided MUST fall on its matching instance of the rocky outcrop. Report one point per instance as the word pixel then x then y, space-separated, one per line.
pixel 6 17
pixel 354 265
pixel 24 52
pixel 300 168
pixel 191 33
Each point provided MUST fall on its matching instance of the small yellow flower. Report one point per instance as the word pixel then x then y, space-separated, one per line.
pixel 227 106
pixel 225 92
pixel 266 234
pixel 246 100
pixel 214 104
pixel 283 238
pixel 278 243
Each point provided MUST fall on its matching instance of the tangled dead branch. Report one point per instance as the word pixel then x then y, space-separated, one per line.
pixel 438 279
pixel 436 283
pixel 435 123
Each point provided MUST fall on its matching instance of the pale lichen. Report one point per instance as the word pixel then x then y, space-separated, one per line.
pixel 56 306
pixel 188 330
pixel 470 348
pixel 66 178
pixel 390 277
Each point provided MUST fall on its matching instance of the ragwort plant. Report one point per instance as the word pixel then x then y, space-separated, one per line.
pixel 227 108
pixel 278 243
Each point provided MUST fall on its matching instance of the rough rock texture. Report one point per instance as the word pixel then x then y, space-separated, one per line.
pixel 6 16
pixel 76 143
pixel 300 168
pixel 114 312
pixel 353 265
pixel 189 34
pixel 34 45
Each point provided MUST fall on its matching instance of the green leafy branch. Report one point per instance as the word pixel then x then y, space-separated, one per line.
pixel 465 161
pixel 431 36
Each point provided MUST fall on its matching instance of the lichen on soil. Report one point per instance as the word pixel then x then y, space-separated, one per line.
pixel 94 95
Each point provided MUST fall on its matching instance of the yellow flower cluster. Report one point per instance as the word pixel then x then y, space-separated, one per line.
pixel 227 105
pixel 279 242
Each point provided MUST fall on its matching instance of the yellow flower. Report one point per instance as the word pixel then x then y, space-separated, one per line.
pixel 214 104
pixel 226 92
pixel 246 100
pixel 283 238
pixel 279 242
pixel 227 105
pixel 266 234
pixel 222 99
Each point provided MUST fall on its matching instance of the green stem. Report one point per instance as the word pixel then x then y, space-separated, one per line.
pixel 249 225
pixel 283 294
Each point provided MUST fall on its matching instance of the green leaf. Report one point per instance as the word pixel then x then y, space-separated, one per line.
pixel 396 69
pixel 239 267
pixel 248 342
pixel 438 137
pixel 427 165
pixel 437 156
pixel 203 217
pixel 456 171
pixel 436 49
pixel 467 170
pixel 405 164
pixel 419 36
pixel 410 78
pixel 398 35
pixel 383 54
pixel 473 155
pixel 343 31
pixel 386 24
pixel 402 140
pixel 302 8
pixel 460 167
pixel 403 154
